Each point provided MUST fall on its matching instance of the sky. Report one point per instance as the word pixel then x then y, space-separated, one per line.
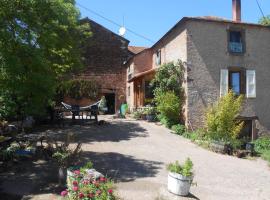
pixel 153 18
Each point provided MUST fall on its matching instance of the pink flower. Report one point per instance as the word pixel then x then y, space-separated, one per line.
pixel 90 195
pixel 86 182
pixel 75 183
pixel 75 188
pixel 96 183
pixel 81 195
pixel 77 172
pixel 98 192
pixel 64 193
pixel 110 191
pixel 103 179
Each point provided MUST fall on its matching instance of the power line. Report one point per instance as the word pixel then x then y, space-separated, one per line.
pixel 260 8
pixel 115 23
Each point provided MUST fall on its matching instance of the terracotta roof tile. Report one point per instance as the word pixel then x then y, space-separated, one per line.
pixel 135 49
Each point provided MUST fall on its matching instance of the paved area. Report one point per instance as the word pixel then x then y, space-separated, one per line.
pixel 135 154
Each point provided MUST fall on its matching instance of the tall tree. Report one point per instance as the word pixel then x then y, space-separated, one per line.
pixel 39 41
pixel 265 20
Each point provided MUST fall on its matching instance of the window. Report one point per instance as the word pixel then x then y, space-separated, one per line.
pixel 235 82
pixel 239 80
pixel 236 42
pixel 149 93
pixel 158 57
pixel 128 90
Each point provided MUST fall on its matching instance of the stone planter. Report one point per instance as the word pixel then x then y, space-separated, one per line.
pixel 62 175
pixel 220 147
pixel 150 118
pixel 179 184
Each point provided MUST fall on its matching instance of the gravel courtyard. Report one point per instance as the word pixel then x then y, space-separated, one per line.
pixel 135 153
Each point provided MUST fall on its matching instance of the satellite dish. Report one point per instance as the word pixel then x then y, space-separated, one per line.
pixel 122 31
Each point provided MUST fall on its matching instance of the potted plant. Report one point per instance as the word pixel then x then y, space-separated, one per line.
pixel 103 105
pixel 150 113
pixel 180 177
pixel 65 157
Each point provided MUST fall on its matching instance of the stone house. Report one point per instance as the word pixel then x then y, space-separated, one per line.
pixel 219 55
pixel 106 54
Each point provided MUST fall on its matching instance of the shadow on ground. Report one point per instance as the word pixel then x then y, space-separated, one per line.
pixel 122 168
pixel 109 131
pixel 28 178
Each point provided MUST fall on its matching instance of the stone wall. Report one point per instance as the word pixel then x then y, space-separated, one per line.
pixel 207 54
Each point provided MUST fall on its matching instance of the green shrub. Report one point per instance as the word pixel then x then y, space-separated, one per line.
pixel 179 129
pixel 262 144
pixel 185 169
pixel 266 155
pixel 137 114
pixel 168 105
pixel 221 120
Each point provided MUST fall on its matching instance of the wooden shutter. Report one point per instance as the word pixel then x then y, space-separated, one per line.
pixel 251 83
pixel 224 82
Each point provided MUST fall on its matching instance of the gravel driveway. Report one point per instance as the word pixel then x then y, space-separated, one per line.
pixel 135 153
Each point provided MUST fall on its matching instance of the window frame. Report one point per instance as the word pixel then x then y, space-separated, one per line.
pixel 158 57
pixel 242 78
pixel 243 39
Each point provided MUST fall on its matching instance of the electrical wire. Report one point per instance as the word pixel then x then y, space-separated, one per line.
pixel 260 8
pixel 115 23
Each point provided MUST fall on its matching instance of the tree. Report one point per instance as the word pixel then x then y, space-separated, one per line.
pixel 265 20
pixel 168 92
pixel 40 41
pixel 221 118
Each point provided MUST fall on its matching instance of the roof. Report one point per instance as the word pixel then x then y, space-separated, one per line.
pixel 108 30
pixel 209 19
pixel 136 49
pixel 142 74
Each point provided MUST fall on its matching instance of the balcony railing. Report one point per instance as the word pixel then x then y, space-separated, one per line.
pixel 236 47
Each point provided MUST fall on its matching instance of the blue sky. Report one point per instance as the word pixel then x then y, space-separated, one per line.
pixel 153 18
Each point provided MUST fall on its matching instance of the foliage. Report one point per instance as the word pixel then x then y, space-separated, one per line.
pixel 88 188
pixel 88 165
pixel 150 110
pixel 138 114
pixel 185 169
pixel 179 129
pixel 262 144
pixel 221 120
pixel 78 89
pixel 168 92
pixel 103 104
pixel 64 155
pixel 39 42
pixel 169 106
pixel 169 77
pixel 265 20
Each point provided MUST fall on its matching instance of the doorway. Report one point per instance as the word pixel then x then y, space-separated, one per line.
pixel 110 99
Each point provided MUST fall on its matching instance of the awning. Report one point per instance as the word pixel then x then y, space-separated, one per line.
pixel 142 74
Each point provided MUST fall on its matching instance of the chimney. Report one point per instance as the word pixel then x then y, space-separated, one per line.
pixel 236 9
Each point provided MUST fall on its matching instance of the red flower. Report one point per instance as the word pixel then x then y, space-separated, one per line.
pixel 77 172
pixel 75 183
pixel 86 182
pixel 110 191
pixel 75 188
pixel 64 193
pixel 81 195
pixel 91 195
pixel 103 179
pixel 98 192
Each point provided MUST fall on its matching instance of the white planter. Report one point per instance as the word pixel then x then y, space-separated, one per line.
pixel 178 184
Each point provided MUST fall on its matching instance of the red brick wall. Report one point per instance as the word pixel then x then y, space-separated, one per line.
pixel 143 61
pixel 105 54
